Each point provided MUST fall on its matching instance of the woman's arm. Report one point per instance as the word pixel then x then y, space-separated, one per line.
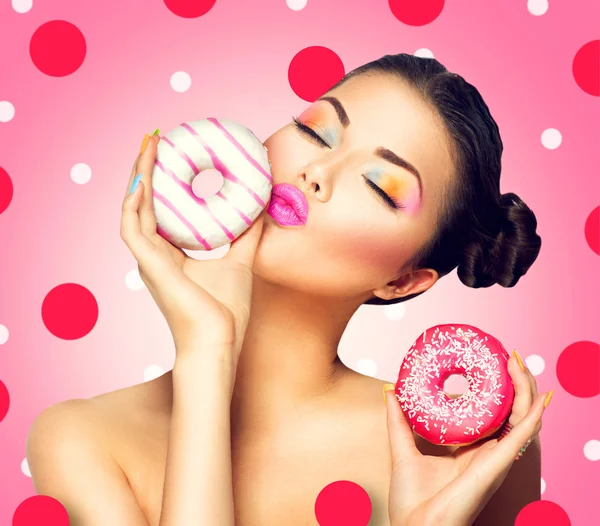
pixel 198 478
pixel 521 486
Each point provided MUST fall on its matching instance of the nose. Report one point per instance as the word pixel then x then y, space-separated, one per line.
pixel 315 179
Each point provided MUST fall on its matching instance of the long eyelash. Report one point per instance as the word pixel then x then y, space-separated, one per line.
pixel 315 136
pixel 392 202
pixel 309 131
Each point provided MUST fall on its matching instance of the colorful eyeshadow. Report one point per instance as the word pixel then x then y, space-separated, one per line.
pixel 400 190
pixel 317 116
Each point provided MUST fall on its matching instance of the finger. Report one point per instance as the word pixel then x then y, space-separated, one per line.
pixel 523 394
pixel 526 429
pixel 400 434
pixel 532 380
pixel 131 232
pixel 146 167
pixel 133 171
pixel 243 249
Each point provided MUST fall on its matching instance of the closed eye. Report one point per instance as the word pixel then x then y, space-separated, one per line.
pixel 306 130
pixel 386 198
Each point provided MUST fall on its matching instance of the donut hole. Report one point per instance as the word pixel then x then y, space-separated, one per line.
pixel 207 183
pixel 456 385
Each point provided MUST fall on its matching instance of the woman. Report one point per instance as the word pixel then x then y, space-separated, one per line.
pixel 399 164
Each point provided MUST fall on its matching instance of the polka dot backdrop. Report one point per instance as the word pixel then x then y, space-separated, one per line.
pixel 82 83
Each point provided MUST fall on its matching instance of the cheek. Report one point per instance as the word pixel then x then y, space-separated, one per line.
pixel 365 249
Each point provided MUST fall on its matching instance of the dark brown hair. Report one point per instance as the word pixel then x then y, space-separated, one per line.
pixel 491 237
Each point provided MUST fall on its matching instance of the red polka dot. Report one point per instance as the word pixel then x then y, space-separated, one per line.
pixel 416 12
pixel 189 8
pixel 57 48
pixel 40 509
pixel 69 311
pixel 578 369
pixel 543 512
pixel 313 71
pixel 6 190
pixel 343 503
pixel 4 401
pixel 592 230
pixel 586 67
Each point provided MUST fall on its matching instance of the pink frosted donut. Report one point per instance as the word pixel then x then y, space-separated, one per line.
pixel 196 223
pixel 449 349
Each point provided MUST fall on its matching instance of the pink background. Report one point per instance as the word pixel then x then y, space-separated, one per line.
pixel 56 231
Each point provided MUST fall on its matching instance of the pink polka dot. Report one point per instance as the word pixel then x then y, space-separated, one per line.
pixel 578 369
pixel 40 509
pixel 592 229
pixel 313 71
pixel 4 400
pixel 586 67
pixel 543 512
pixel 343 503
pixel 6 190
pixel 57 48
pixel 416 12
pixel 69 311
pixel 189 8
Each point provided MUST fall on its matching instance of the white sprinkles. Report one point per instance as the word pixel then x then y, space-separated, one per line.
pixel 423 372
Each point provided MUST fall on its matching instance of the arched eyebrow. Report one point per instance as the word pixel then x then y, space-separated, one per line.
pixel 383 153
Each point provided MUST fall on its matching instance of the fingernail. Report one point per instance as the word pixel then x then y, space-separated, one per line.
pixel 548 398
pixel 156 132
pixel 135 183
pixel 518 357
pixel 144 143
pixel 387 387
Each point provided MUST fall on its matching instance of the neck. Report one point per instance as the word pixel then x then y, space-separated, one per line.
pixel 289 359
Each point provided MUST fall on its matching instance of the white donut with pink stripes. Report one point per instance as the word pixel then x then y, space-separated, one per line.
pixel 195 223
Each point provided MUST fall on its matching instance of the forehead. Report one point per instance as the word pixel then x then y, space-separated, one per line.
pixel 386 111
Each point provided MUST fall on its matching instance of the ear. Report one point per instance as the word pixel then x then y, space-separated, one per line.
pixel 408 284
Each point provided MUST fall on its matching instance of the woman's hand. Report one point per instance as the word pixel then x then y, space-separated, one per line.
pixel 205 303
pixel 453 490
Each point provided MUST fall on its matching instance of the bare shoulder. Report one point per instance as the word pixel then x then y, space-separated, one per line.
pixel 68 454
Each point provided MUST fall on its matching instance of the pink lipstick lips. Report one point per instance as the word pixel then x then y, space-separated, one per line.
pixel 288 205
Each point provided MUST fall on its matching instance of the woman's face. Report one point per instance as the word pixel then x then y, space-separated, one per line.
pixel 354 241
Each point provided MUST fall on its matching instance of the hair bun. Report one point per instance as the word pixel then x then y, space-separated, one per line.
pixel 502 259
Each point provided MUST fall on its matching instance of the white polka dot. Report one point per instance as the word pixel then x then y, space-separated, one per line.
pixel 366 366
pixel 7 111
pixel 81 173
pixel 423 53
pixel 133 280
pixel 25 467
pixel 591 450
pixel 296 5
pixel 551 138
pixel 537 7
pixel 395 312
pixel 181 81
pixel 3 334
pixel 543 486
pixel 22 6
pixel 535 364
pixel 152 372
